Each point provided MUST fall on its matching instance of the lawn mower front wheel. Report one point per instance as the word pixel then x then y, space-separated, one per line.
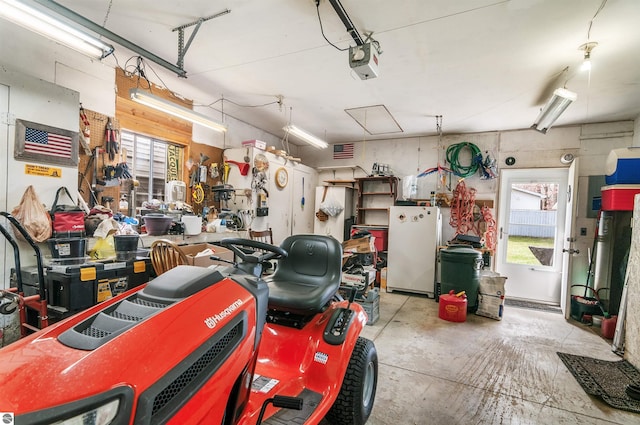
pixel 355 401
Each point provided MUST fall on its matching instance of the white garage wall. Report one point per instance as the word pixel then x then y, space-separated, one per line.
pixel 531 149
pixel 41 102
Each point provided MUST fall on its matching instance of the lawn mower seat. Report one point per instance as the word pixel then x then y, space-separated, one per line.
pixel 306 280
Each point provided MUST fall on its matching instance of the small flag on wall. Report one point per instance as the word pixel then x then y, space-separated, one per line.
pixel 43 142
pixel 343 151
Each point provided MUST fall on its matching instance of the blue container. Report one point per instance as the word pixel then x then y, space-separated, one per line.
pixel 623 166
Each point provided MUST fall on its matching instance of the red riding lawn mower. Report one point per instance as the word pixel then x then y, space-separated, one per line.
pixel 221 345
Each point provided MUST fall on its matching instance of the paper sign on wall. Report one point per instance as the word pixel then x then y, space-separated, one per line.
pixel 41 170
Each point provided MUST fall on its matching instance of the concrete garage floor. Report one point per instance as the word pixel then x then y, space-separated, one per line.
pixel 482 371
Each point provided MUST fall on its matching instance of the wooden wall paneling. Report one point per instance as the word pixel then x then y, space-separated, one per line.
pixel 144 120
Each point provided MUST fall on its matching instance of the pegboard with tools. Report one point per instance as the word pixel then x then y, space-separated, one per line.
pixel 203 170
pixel 102 161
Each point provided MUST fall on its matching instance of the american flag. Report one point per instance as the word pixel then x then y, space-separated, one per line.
pixel 42 142
pixel 343 151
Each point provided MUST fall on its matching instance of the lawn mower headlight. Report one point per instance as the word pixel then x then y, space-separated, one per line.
pixel 112 407
pixel 101 415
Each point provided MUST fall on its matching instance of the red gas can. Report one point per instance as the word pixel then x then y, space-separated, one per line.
pixel 453 307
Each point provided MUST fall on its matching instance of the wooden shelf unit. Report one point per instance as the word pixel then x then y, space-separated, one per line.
pixel 374 197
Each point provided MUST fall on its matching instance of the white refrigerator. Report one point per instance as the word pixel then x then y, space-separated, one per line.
pixel 414 236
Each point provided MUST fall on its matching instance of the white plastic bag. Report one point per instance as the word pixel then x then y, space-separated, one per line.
pixel 33 216
pixel 331 207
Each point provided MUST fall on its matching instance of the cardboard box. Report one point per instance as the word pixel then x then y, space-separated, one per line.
pixel 255 143
pixel 197 254
pixel 359 245
pixel 360 280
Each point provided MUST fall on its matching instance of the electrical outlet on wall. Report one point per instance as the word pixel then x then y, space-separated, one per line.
pixel 583 231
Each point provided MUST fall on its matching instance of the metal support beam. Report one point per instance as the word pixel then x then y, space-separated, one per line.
pixel 92 26
pixel 182 49
pixel 342 14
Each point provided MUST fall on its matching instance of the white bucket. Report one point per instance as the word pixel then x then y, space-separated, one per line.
pixel 192 224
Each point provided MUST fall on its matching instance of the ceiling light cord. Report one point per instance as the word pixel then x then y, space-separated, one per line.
pixel 602 5
pixel 106 16
pixel 590 45
pixel 322 29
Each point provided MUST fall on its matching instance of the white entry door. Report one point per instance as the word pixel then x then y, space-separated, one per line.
pixel 531 229
pixel 569 238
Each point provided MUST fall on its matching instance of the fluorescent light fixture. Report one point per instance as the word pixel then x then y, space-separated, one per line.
pixel 174 109
pixel 303 135
pixel 54 29
pixel 556 105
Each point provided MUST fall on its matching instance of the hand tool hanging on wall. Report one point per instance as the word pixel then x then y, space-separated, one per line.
pixel 213 170
pixel 83 178
pixel 111 139
pixel 96 185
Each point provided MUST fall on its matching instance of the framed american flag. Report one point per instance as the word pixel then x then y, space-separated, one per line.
pixel 42 143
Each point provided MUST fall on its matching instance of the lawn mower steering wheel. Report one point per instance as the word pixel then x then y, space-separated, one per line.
pixel 272 252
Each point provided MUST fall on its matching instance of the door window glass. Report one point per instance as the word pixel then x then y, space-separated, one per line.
pixel 532 223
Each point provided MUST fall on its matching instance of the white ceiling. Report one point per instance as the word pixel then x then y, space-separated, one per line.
pixel 483 65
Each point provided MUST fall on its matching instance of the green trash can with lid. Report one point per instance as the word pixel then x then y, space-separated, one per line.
pixel 460 271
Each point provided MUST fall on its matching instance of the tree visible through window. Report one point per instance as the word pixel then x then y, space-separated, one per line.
pixel 147 158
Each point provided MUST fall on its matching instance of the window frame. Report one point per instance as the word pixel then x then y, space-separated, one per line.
pixel 130 139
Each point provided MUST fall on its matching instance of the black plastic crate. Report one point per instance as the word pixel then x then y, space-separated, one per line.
pixel 111 283
pixel 118 277
pixel 72 287
pixel 76 287
pixel 142 272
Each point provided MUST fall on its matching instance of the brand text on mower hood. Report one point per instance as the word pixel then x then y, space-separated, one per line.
pixel 212 321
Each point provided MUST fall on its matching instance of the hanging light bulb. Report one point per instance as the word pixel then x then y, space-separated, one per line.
pixel 586 64
pixel 587 47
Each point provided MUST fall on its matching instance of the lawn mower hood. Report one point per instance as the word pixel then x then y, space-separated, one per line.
pixel 150 351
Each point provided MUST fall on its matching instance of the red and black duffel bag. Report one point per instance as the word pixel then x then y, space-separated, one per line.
pixel 68 220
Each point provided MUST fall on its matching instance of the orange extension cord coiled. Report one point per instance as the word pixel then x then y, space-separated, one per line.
pixel 462 219
pixel 490 234
pixel 462 209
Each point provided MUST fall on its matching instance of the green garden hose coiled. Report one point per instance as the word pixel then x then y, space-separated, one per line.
pixel 453 152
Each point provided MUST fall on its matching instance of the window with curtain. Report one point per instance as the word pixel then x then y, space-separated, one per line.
pixel 147 160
